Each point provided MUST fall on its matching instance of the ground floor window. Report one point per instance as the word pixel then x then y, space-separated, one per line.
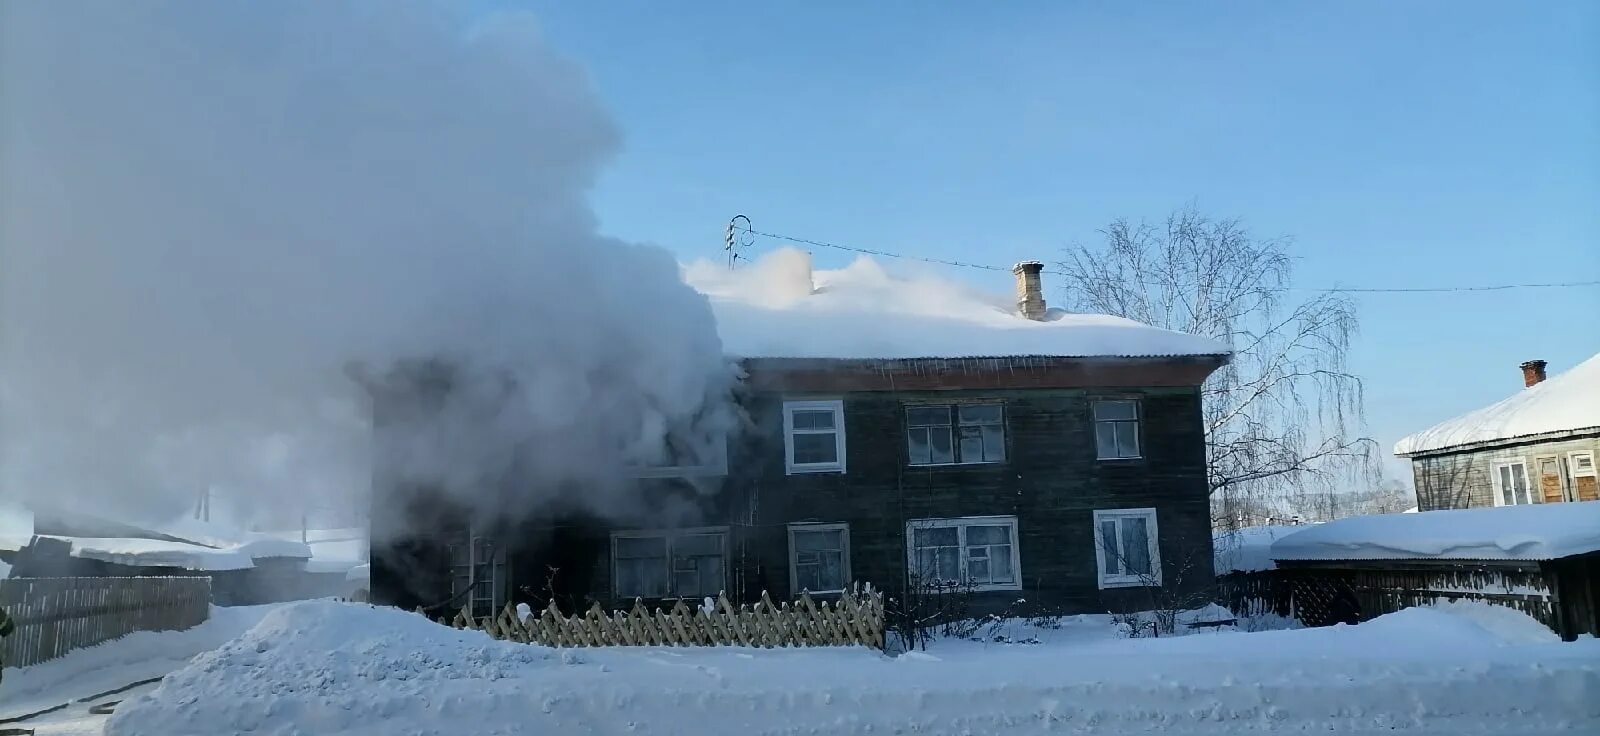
pixel 477 572
pixel 819 557
pixel 1126 548
pixel 979 552
pixel 678 563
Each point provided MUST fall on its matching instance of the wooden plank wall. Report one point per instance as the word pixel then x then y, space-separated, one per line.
pixel 54 616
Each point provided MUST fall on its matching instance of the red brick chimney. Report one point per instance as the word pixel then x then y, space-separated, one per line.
pixel 1030 293
pixel 1532 372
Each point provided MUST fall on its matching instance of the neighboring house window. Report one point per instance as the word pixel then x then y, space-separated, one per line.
pixel 682 563
pixel 958 434
pixel 1580 464
pixel 819 557
pixel 813 436
pixel 1116 429
pixel 977 551
pixel 1511 484
pixel 1126 549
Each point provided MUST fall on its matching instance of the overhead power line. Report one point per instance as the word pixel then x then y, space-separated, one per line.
pixel 1345 289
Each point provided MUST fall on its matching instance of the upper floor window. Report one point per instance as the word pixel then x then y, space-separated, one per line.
pixel 1580 464
pixel 952 434
pixel 1116 429
pixel 813 436
pixel 680 563
pixel 1126 549
pixel 1511 484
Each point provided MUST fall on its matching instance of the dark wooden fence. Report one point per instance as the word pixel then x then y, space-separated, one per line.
pixel 54 616
pixel 1306 591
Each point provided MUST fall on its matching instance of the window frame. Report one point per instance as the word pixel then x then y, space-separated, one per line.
pixel 789 408
pixel 955 425
pixel 1499 490
pixel 1152 537
pixel 1137 421
pixel 960 523
pixel 715 466
pixel 1572 464
pixel 670 535
pixel 794 561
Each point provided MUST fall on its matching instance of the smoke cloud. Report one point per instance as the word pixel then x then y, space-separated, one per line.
pixel 208 209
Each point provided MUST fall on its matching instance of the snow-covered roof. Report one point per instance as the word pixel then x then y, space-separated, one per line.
pixel 1248 549
pixel 778 307
pixel 1568 402
pixel 136 552
pixel 1543 531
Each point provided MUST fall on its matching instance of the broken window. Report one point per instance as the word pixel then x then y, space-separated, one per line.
pixel 955 434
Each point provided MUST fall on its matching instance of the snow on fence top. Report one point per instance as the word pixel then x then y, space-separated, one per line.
pixel 777 307
pixel 1532 532
pixel 1565 403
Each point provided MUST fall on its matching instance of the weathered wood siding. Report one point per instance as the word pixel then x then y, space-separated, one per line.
pixel 1466 479
pixel 1051 481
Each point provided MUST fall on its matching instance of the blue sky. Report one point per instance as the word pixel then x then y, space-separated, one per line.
pixel 1399 144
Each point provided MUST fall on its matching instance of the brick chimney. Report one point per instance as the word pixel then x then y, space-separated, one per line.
pixel 1030 294
pixel 1532 373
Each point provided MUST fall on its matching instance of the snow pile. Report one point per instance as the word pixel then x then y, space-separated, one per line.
pixel 1570 401
pixel 327 668
pixel 1248 549
pixel 777 307
pixel 1531 532
pixel 137 656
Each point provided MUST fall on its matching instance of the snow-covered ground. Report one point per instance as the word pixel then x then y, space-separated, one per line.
pixel 328 668
pixel 114 664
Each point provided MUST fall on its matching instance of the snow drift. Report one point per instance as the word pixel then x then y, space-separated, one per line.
pixel 209 209
pixel 328 668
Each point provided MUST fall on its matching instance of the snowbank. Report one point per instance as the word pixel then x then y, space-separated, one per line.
pixel 137 656
pixel 1249 549
pixel 778 308
pixel 1567 402
pixel 328 668
pixel 1532 532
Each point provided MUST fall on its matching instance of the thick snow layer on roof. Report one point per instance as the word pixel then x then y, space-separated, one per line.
pixel 1249 549
pixel 137 552
pixel 361 573
pixel 330 668
pixel 777 307
pixel 1567 402
pixel 1534 532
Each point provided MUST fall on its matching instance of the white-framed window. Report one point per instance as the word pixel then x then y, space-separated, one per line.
pixel 819 557
pixel 813 436
pixel 478 564
pixel 1580 464
pixel 1116 429
pixel 955 434
pixel 1511 484
pixel 1126 550
pixel 681 461
pixel 979 552
pixel 669 563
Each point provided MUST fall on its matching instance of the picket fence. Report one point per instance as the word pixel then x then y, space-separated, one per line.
pixel 54 616
pixel 856 619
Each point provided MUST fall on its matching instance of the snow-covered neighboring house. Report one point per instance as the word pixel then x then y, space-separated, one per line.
pixel 902 432
pixel 1539 445
pixel 1542 559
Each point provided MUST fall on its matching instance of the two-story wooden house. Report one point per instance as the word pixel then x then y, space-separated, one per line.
pixel 1538 445
pixel 896 436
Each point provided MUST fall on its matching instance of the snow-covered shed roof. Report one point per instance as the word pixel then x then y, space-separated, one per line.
pixel 136 552
pixel 1248 549
pixel 1543 531
pixel 778 307
pixel 1566 403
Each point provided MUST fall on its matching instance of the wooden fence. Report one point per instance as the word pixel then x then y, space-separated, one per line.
pixel 54 616
pixel 856 619
pixel 1306 591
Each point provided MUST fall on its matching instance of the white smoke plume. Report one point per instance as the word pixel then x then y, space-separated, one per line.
pixel 208 209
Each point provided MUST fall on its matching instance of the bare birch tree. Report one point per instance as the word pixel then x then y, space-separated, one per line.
pixel 1284 417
